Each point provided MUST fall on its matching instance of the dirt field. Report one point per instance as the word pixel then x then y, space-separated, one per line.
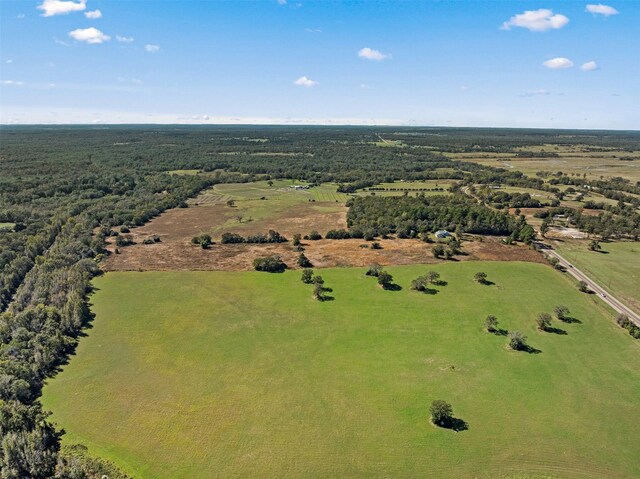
pixel 183 256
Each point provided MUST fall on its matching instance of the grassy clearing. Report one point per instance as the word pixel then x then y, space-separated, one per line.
pixel 184 172
pixel 571 160
pixel 7 226
pixel 616 267
pixel 259 203
pixel 211 374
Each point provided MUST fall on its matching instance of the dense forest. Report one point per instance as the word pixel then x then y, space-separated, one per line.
pixel 63 190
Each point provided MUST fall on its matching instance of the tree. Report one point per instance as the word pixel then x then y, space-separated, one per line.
pixel 270 183
pixel 517 341
pixel 419 284
pixel 318 280
pixel 318 291
pixel 271 264
pixel 433 277
pixel 374 270
pixel 583 287
pixel 441 412
pixel 296 239
pixel 491 322
pixel 307 276
pixel 385 280
pixel 561 312
pixel 480 277
pixel 303 261
pixel 314 236
pixel 543 321
pixel 544 228
pixel 231 203
pixel 438 250
pixel 594 245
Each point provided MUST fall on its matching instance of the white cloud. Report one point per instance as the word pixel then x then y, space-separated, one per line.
pixel 282 2
pixel 313 30
pixel 61 7
pixel 124 39
pixel 60 42
pixel 152 48
pixel 136 81
pixel 89 35
pixel 601 9
pixel 12 82
pixel 371 54
pixel 589 66
pixel 8 61
pixel 93 14
pixel 536 20
pixel 20 16
pixel 559 62
pixel 539 92
pixel 305 82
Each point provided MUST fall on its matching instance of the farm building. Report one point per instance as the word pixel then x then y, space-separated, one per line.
pixel 442 234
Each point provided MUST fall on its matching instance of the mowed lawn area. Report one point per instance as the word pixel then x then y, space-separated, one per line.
pixel 616 267
pixel 219 374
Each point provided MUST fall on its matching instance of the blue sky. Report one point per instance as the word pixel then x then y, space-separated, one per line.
pixel 458 63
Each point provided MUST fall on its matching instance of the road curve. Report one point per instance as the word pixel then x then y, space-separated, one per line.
pixel 615 303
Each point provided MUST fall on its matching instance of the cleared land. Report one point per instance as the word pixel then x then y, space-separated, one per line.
pixel 574 159
pixel 217 374
pixel 258 208
pixel 616 267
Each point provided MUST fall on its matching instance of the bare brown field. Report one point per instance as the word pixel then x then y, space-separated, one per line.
pixel 182 256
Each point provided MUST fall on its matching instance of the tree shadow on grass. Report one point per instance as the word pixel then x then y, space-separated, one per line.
pixel 559 331
pixel 455 424
pixel 486 282
pixel 499 332
pixel 530 350
pixel 392 287
pixel 570 320
pixel 601 251
pixel 440 283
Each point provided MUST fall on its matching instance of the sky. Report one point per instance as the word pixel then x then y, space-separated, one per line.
pixel 540 64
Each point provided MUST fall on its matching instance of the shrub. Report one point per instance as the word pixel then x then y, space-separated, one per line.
pixel 307 276
pixel 337 234
pixel 376 245
pixel 480 277
pixel 271 264
pixel 561 312
pixel 374 270
pixel 517 341
pixel 303 261
pixel 230 238
pixel 491 323
pixel 385 279
pixel 543 321
pixel 583 287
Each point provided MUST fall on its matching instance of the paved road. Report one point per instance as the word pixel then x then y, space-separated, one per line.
pixel 616 304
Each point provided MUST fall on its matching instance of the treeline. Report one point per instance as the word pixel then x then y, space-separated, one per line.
pixel 626 223
pixel 427 214
pixel 271 237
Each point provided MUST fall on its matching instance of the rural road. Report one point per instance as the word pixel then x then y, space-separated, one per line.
pixel 593 286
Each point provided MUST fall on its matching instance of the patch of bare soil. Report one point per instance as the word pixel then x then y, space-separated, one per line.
pixel 181 255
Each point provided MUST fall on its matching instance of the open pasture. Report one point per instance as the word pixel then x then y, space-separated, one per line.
pixel 217 374
pixel 571 159
pixel 616 267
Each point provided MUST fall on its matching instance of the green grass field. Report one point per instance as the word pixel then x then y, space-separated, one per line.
pixel 616 268
pixel 213 374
